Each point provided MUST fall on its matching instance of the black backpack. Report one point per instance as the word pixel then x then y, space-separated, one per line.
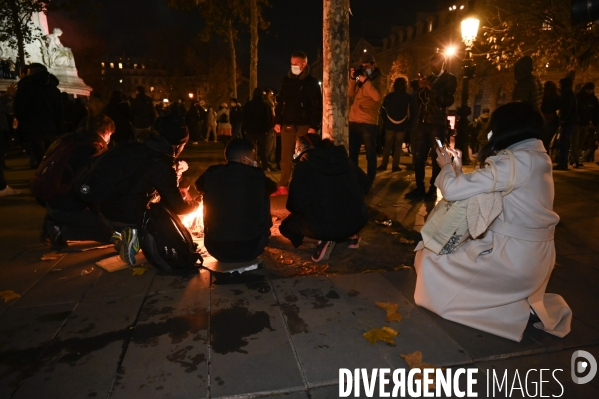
pixel 224 118
pixel 167 244
pixel 108 177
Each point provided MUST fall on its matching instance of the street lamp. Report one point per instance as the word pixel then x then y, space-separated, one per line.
pixel 190 95
pixel 469 32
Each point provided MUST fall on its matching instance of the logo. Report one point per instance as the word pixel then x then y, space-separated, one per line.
pixel 579 367
pixel 84 189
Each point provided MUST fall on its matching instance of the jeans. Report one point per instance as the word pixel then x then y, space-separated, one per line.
pixel 425 142
pixel 363 133
pixel 564 144
pixel 393 140
pixel 237 131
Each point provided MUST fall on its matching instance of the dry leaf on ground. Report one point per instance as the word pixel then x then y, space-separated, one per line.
pixel 414 360
pixel 385 334
pixel 406 241
pixel 9 295
pixel 391 309
pixel 138 271
pixel 51 256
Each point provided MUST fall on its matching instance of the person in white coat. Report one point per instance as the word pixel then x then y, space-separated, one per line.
pixel 496 282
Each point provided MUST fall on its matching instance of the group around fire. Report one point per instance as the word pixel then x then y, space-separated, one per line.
pixel 99 181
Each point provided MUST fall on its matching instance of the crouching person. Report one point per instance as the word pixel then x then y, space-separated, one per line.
pixel 68 217
pixel 237 218
pixel 326 197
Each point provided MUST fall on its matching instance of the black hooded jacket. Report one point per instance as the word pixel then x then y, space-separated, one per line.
pixel 328 192
pixel 300 101
pixel 528 87
pixel 156 174
pixel 38 106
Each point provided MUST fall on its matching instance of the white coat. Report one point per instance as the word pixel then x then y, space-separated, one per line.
pixel 494 291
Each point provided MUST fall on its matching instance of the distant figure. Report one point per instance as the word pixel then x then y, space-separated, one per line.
pixel 273 139
pixel 257 121
pixel 395 113
pixel 211 124
pixel 5 135
pixel 224 130
pixel 549 108
pixel 568 120
pixel 588 116
pixel 38 108
pixel 236 117
pixel 142 111
pixel 119 111
pixel 481 126
pixel 237 218
pixel 528 87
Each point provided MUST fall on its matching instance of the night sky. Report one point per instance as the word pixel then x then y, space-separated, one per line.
pixel 129 26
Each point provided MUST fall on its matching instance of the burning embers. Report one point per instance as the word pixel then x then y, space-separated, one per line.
pixel 195 221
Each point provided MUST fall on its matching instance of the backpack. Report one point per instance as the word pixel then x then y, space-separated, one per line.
pixel 54 176
pixel 166 243
pixel 108 177
pixel 224 118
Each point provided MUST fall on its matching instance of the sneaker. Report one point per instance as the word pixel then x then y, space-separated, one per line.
pixel 8 190
pixel 354 242
pixel 323 251
pixel 55 235
pixel 417 193
pixel 129 245
pixel 382 168
pixel 396 169
pixel 280 191
pixel 117 240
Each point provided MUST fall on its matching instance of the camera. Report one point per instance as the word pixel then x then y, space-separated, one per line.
pixel 585 11
pixel 359 71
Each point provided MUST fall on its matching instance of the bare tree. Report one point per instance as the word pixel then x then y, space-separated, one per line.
pixel 335 85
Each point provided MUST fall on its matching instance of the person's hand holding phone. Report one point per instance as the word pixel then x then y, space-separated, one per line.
pixel 443 157
pixel 457 159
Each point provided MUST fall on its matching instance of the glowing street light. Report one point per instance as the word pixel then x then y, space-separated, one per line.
pixel 451 50
pixel 470 30
pixel 190 95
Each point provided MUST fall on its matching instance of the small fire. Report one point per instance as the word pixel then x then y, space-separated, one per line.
pixel 195 221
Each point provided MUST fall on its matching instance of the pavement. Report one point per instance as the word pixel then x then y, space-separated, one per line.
pixel 76 331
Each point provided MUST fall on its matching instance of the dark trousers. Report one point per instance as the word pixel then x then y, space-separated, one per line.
pixel 237 251
pixel 260 141
pixel 295 228
pixel 363 133
pixel 393 140
pixel 237 130
pixel 564 144
pixel 278 151
pixel 84 225
pixel 424 143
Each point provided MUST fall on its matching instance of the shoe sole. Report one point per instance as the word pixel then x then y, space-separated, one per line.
pixel 128 251
pixel 327 252
pixel 356 245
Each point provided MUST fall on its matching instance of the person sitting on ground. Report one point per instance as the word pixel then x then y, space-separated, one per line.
pixel 237 218
pixel 494 283
pixel 156 174
pixel 68 217
pixel 326 197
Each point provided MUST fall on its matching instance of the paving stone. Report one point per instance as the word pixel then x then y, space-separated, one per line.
pixel 584 307
pixel 566 248
pixel 591 260
pixel 581 334
pixel 24 333
pixel 403 280
pixel 121 284
pixel 167 356
pixel 249 343
pixel 82 361
pixel 585 277
pixel 165 283
pixel 417 332
pixel 291 395
pixel 325 332
pixel 67 285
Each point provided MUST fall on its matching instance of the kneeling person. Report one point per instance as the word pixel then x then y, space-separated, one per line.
pixel 237 217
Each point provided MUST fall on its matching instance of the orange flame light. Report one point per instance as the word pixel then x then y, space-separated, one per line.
pixel 195 221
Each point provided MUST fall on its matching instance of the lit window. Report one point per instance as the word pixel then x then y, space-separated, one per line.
pixel 152 88
pixel 120 80
pixel 103 65
pixel 450 9
pixel 430 26
pixel 590 26
pixel 112 64
pixel 143 66
pixel 454 7
pixel 365 50
pixel 134 66
pixel 120 65
pixel 461 7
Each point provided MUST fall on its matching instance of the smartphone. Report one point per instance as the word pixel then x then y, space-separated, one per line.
pixel 439 143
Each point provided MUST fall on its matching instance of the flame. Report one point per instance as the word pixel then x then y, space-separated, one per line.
pixel 194 221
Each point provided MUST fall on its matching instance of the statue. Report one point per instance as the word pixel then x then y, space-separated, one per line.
pixel 57 54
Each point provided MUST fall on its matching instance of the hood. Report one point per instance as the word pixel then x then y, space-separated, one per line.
pixel 159 144
pixel 43 78
pixel 523 68
pixel 302 75
pixel 332 161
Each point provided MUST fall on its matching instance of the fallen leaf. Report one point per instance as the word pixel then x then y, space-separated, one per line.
pixel 391 309
pixel 138 271
pixel 406 241
pixel 51 256
pixel 9 295
pixel 402 267
pixel 86 272
pixel 414 360
pixel 385 334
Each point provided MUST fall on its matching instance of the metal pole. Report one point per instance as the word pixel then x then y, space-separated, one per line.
pixel 463 124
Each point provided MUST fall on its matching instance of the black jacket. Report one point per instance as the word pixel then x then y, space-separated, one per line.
pixel 142 111
pixel 90 146
pixel 156 176
pixel 588 108
pixel 396 105
pixel 327 191
pixel 236 202
pixel 257 117
pixel 38 107
pixel 236 114
pixel 439 99
pixel 120 113
pixel 300 101
pixel 568 113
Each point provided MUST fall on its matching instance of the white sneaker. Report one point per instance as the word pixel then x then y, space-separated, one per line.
pixel 9 191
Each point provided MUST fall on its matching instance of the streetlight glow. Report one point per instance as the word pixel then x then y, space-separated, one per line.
pixel 449 51
pixel 469 30
pixel 190 95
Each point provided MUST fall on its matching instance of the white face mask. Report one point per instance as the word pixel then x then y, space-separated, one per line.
pixel 368 72
pixel 489 135
pixel 254 163
pixel 295 69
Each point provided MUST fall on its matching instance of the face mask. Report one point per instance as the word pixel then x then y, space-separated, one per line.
pixel 254 163
pixel 489 135
pixel 369 72
pixel 295 69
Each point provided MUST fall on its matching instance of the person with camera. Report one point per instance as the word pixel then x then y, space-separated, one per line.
pixel 436 93
pixel 366 87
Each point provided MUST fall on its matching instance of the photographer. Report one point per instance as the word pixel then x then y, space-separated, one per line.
pixel 366 87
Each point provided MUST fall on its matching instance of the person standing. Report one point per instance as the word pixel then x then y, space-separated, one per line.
pixel 192 120
pixel 257 120
pixel 549 108
pixel 528 87
pixel 481 126
pixel 588 115
pixel 119 111
pixel 224 129
pixel 568 120
pixel 38 108
pixel 273 139
pixel 366 88
pixel 236 117
pixel 210 124
pixel 143 112
pixel 5 99
pixel 437 92
pixel 396 119
pixel 298 112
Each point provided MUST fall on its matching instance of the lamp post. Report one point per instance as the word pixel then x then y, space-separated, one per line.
pixel 469 32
